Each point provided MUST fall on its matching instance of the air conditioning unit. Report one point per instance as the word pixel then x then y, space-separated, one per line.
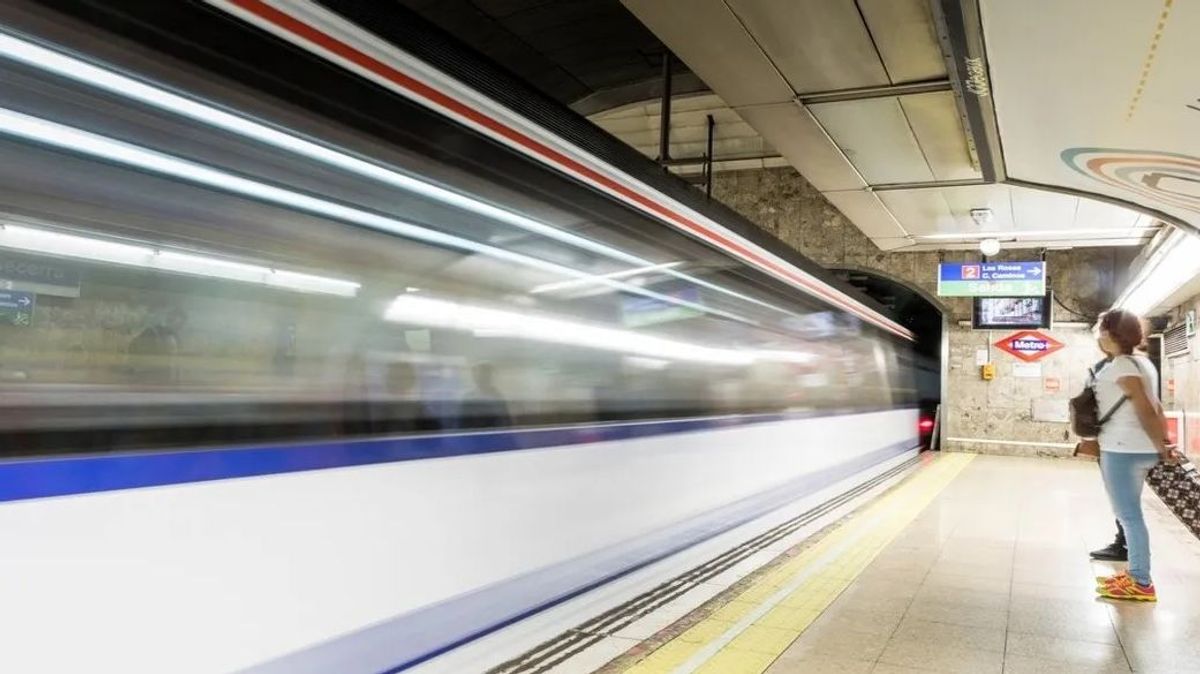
pixel 1175 341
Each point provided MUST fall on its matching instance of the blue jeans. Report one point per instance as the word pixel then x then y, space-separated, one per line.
pixel 1124 476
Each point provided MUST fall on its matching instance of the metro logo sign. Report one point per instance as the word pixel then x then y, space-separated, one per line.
pixel 1029 345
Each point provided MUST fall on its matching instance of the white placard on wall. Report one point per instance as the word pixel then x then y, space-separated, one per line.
pixel 1027 370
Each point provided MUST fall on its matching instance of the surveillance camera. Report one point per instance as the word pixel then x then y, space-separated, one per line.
pixel 981 216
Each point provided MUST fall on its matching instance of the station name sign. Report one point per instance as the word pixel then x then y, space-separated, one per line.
pixel 992 279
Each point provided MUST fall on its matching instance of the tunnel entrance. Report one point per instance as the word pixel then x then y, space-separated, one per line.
pixel 926 317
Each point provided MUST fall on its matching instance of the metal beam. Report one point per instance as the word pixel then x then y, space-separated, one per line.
pixel 682 84
pixel 708 158
pixel 928 184
pixel 699 161
pixel 960 31
pixel 864 93
pixel 664 113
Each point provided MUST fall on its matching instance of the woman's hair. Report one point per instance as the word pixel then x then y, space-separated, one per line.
pixel 1124 327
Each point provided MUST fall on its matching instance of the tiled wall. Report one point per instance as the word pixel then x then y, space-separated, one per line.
pixel 996 416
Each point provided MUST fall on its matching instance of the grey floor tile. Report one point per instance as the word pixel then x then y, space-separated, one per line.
pixel 947 657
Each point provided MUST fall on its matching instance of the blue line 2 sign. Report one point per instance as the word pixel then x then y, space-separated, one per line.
pixel 16 308
pixel 992 279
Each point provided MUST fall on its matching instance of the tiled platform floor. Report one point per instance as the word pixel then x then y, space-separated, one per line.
pixel 994 577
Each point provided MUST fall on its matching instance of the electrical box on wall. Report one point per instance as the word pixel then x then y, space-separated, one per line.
pixel 987 371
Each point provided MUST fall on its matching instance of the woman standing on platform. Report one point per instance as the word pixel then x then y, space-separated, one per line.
pixel 1132 442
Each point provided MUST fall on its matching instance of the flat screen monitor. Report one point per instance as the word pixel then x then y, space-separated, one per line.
pixel 1008 313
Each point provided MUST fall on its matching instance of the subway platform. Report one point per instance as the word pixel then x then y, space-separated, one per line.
pixel 967 564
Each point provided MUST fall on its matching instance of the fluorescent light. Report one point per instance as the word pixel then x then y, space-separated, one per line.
pixel 79 141
pixel 488 322
pixel 99 250
pixel 92 75
pixel 1175 263
pixel 576 283
pixel 1034 233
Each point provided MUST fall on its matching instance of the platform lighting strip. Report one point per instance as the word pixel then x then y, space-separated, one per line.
pixel 488 322
pixel 1012 234
pixel 1175 263
pixel 49 60
pixel 59 244
pixel 71 139
pixel 58 63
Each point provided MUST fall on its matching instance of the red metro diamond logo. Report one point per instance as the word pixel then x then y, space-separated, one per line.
pixel 1029 345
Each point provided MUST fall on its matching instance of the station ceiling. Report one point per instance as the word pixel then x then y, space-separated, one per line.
pixel 906 114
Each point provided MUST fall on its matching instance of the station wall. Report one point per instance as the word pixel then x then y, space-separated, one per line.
pixel 1181 380
pixel 998 416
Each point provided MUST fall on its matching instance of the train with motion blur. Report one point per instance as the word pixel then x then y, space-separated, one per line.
pixel 322 350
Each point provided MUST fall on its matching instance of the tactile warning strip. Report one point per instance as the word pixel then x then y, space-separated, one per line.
pixel 749 632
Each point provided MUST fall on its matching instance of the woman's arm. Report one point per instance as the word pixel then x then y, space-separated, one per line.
pixel 1149 414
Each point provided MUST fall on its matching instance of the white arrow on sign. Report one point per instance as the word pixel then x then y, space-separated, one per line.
pixel 1035 271
pixel 24 301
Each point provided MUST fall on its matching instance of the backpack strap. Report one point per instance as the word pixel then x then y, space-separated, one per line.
pixel 1112 410
pixel 1124 398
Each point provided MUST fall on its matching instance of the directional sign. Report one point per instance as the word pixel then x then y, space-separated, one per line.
pixel 1029 345
pixel 992 279
pixel 16 308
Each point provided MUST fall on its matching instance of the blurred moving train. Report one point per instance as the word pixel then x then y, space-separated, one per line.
pixel 317 357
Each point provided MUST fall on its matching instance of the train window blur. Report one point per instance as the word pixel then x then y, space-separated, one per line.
pixel 171 283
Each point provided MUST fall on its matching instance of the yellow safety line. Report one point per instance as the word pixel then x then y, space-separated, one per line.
pixel 790 597
pixel 1148 62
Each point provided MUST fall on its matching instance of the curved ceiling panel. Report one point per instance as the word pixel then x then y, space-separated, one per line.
pixel 1103 102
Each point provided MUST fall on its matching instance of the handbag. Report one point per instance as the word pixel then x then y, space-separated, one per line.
pixel 1178 485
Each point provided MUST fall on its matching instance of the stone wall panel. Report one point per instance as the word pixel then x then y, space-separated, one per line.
pixel 984 416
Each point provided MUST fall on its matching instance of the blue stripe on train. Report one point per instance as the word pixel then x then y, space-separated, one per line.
pixel 407 640
pixel 42 477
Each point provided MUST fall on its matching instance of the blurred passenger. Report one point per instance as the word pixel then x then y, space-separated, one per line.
pixel 154 353
pixel 1132 441
pixel 484 406
pixel 401 409
pixel 285 350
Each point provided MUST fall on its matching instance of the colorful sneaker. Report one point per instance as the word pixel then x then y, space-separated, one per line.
pixel 1120 578
pixel 1128 590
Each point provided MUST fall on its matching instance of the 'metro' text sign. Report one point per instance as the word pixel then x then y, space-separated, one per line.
pixel 1029 345
pixel 992 279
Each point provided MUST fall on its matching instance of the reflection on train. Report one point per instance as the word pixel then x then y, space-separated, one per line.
pixel 459 385
pixel 215 297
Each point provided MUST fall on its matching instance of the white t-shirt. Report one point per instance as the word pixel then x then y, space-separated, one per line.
pixel 1123 432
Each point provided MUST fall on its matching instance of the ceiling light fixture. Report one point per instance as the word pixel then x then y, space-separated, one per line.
pixel 1172 265
pixel 1038 233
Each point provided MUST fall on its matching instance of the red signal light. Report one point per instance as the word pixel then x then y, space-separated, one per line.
pixel 925 425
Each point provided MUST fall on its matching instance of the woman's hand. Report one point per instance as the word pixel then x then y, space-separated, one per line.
pixel 1168 454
